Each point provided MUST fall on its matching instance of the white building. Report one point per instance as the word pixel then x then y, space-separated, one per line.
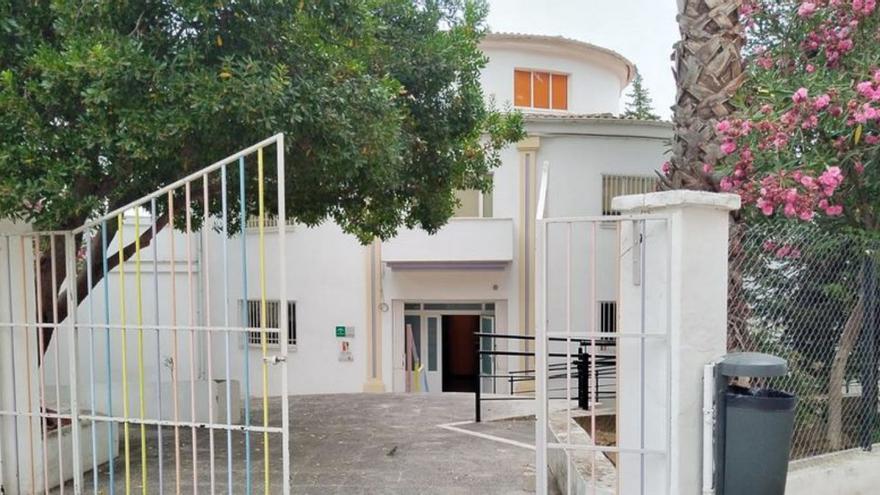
pixel 477 273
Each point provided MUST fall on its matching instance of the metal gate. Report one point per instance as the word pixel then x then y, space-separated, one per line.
pixel 603 293
pixel 128 342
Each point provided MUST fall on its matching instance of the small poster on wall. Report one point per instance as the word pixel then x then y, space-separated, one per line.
pixel 345 351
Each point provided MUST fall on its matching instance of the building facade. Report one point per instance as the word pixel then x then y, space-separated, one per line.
pixel 477 273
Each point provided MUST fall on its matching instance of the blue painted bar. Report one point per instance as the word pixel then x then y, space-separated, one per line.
pixel 247 364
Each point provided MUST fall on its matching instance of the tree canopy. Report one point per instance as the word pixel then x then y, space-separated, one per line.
pixel 380 102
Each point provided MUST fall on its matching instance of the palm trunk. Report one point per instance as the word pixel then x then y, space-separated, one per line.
pixel 708 71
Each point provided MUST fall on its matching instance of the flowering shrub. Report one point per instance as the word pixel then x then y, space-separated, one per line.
pixel 806 139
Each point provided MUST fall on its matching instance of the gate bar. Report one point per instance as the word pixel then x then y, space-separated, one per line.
pixel 210 344
pixel 12 362
pixel 110 441
pixel 282 267
pixel 246 318
pixel 155 250
pixel 73 357
pixel 88 268
pixel 225 234
pixel 192 336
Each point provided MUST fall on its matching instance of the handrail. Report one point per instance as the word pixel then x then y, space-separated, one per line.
pixel 603 366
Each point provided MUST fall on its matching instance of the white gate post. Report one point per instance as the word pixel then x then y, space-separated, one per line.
pixel 687 264
pixel 21 470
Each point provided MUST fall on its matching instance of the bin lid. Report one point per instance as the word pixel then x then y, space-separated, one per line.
pixel 752 364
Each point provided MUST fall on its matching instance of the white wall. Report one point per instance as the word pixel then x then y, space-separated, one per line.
pixel 592 87
pixel 326 277
pixel 578 156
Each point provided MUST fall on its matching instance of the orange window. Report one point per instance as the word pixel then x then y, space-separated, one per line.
pixel 560 92
pixel 542 90
pixel 522 88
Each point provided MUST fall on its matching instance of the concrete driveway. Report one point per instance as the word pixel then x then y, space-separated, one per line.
pixel 390 443
pixel 350 444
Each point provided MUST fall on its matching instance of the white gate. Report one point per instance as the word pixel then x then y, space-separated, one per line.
pixel 147 384
pixel 597 304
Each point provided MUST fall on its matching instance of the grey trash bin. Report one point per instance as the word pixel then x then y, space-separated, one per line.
pixel 758 425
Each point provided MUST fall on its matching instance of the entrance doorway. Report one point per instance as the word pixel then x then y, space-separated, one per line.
pixel 439 341
pixel 458 352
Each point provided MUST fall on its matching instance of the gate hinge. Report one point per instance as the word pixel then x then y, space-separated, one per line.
pixel 275 359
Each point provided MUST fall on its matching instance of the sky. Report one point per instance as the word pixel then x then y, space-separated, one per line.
pixel 641 30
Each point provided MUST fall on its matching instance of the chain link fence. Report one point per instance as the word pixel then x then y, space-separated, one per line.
pixel 810 295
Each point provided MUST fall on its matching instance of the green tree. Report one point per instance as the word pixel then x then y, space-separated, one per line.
pixel 380 102
pixel 639 105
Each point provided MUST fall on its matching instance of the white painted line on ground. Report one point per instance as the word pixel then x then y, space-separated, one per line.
pixel 455 427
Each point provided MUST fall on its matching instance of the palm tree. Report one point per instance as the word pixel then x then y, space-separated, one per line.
pixel 708 72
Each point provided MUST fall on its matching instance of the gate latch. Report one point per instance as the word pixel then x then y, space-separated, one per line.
pixel 275 359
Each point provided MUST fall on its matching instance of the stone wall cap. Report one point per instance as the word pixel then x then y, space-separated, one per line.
pixel 665 199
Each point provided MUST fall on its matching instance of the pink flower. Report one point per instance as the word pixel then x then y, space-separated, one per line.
pixel 726 184
pixel 800 95
pixel 806 9
pixel 865 88
pixel 860 167
pixel 722 127
pixel 707 169
pixel 811 122
pixel 822 102
pixel 665 168
pixel 766 207
pixel 728 147
pixel 834 210
pixel 830 179
pixel 766 108
pixel 810 68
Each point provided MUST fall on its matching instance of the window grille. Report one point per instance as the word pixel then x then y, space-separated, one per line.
pixel 620 185
pixel 607 320
pixel 273 321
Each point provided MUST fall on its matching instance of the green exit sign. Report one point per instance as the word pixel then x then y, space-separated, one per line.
pixel 340 331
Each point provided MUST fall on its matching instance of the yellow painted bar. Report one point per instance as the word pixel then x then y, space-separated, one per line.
pixel 263 344
pixel 140 323
pixel 124 355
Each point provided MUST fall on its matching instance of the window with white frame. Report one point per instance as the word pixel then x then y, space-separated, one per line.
pixel 251 315
pixel 542 90
pixel 620 185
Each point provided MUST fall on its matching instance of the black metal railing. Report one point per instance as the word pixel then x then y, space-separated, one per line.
pixel 586 371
